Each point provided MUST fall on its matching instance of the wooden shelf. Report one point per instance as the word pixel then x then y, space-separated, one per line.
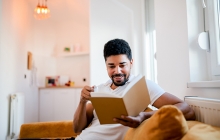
pixel 69 54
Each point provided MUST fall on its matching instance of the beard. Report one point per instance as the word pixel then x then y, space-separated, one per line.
pixel 119 83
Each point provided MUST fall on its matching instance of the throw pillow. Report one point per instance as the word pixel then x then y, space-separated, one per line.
pixel 168 123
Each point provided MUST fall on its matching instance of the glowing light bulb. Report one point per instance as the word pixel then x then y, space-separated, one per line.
pixel 38 10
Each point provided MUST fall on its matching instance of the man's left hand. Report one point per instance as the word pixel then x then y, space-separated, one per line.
pixel 132 121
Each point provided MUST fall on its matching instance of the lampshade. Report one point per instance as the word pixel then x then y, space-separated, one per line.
pixel 41 11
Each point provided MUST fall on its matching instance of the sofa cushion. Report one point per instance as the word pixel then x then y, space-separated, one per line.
pixel 168 123
pixel 57 129
pixel 201 131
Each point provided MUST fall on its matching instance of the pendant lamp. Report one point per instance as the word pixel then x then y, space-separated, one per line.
pixel 41 11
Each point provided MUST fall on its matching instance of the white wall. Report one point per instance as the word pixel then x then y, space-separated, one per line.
pixel 173 49
pixel 172 45
pixel 72 32
pixel 110 19
pixel 44 43
pixel 76 67
pixel 16 41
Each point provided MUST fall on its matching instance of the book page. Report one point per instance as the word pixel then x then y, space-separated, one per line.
pixel 102 94
pixel 132 83
pixel 137 97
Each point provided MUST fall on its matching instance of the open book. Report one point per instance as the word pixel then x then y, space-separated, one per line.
pixel 109 106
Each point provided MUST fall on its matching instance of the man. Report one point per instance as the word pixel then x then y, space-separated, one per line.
pixel 118 59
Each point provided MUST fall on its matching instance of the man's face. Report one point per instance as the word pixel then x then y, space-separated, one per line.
pixel 118 68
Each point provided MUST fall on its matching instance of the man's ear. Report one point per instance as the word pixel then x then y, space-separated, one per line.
pixel 131 62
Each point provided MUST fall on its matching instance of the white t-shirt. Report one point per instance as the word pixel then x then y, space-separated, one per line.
pixel 114 131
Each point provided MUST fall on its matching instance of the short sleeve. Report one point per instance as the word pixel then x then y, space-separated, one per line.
pixel 155 91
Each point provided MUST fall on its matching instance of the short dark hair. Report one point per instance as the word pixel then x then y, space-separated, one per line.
pixel 116 47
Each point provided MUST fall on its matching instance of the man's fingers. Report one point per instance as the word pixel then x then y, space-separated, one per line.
pixel 85 96
pixel 85 93
pixel 127 118
pixel 88 88
pixel 126 123
pixel 121 122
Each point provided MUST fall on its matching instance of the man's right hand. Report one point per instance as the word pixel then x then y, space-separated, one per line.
pixel 84 112
pixel 85 93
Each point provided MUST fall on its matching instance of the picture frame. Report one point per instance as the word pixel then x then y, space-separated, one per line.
pixel 29 60
pixel 51 81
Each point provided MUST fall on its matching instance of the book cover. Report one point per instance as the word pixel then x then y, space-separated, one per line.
pixel 108 106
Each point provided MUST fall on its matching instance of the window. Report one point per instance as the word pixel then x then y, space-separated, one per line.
pixel 213 21
pixel 150 35
pixel 218 47
pixel 204 66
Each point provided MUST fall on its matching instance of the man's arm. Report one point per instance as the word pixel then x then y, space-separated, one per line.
pixel 169 99
pixel 84 113
pixel 165 99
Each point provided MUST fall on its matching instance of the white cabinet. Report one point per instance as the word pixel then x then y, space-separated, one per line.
pixel 46 105
pixel 56 104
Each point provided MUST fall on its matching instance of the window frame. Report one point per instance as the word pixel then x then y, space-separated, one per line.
pixel 211 26
pixel 214 36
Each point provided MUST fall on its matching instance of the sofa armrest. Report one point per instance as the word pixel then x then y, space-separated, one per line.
pixel 58 129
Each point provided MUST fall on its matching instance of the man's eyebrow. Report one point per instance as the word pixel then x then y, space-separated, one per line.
pixel 119 63
pixel 122 63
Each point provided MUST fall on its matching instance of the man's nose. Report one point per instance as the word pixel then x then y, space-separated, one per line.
pixel 118 69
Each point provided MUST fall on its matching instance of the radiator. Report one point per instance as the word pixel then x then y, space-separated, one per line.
pixel 16 114
pixel 206 110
